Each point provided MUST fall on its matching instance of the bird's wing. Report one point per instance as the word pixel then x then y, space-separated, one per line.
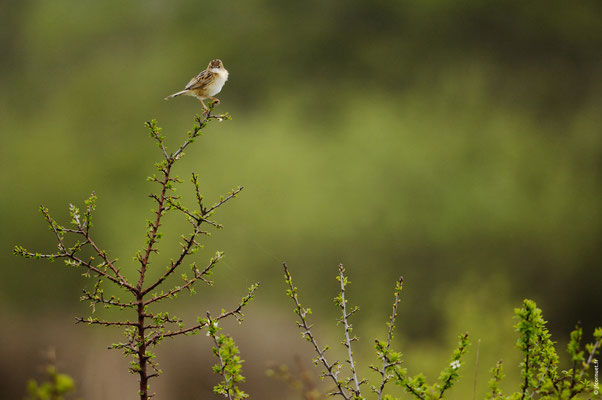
pixel 201 80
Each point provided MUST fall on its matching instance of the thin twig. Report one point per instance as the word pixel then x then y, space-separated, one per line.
pixel 236 312
pixel 189 243
pixel 391 326
pixel 332 370
pixel 345 321
pixel 188 283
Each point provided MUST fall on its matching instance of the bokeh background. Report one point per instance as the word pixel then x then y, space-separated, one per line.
pixel 456 143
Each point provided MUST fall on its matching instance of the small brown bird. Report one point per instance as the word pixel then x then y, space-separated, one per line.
pixel 206 84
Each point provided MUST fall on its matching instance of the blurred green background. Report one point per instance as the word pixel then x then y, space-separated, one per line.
pixel 456 143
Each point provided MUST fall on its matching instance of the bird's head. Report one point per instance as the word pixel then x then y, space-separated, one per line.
pixel 215 65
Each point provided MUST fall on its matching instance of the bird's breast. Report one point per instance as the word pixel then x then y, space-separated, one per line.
pixel 217 85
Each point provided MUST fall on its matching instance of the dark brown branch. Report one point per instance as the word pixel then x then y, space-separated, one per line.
pixel 188 283
pixel 84 230
pixel 408 387
pixel 222 201
pixel 118 279
pixel 189 243
pixel 91 321
pixel 98 298
pixel 100 272
pixel 192 135
pixel 152 238
pixel 235 313
pixel 198 219
pixel 123 281
pixel 55 229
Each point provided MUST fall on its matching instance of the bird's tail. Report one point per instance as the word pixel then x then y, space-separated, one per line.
pixel 175 94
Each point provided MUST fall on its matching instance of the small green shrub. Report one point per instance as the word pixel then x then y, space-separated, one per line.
pixel 56 387
pixel 541 375
pixel 540 371
pixel 150 325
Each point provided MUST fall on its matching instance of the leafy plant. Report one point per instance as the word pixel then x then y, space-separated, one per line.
pixel 230 364
pixel 56 387
pixel 350 386
pixel 150 326
pixel 541 375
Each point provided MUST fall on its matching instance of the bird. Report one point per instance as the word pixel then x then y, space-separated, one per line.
pixel 206 84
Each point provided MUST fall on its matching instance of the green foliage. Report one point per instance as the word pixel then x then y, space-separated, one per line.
pixel 230 364
pixel 417 385
pixel 56 387
pixel 540 374
pixel 497 373
pixel 541 378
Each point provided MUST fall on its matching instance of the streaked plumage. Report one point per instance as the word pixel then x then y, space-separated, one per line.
pixel 206 84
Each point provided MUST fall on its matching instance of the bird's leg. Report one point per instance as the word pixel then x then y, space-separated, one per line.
pixel 206 109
